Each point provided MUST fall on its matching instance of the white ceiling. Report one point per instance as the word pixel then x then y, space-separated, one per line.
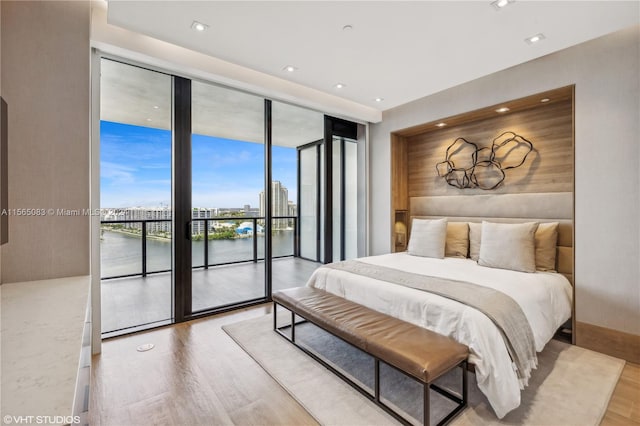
pixel 400 51
pixel 133 95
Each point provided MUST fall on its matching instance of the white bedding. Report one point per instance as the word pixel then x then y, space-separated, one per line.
pixel 544 297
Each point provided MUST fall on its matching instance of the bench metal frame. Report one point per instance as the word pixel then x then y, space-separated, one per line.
pixel 460 400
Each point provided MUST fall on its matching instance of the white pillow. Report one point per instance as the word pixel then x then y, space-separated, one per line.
pixel 509 246
pixel 428 238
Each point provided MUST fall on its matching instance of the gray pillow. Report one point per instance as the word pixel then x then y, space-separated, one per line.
pixel 428 238
pixel 508 246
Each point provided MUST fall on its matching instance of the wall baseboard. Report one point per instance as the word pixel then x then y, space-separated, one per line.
pixel 607 341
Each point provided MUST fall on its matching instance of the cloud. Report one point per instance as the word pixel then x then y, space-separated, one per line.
pixel 117 173
pixel 134 197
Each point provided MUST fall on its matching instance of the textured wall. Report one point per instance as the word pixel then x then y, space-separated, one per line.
pixel 45 81
pixel 607 199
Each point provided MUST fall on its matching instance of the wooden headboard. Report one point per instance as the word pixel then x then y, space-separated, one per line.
pixel 507 208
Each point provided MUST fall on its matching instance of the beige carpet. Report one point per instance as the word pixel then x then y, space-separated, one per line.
pixel 572 386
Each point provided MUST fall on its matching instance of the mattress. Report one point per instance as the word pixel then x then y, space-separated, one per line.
pixel 545 299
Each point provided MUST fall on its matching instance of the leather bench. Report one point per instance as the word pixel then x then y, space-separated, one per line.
pixel 417 352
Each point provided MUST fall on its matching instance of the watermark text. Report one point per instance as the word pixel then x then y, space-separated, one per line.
pixel 39 420
pixel 35 212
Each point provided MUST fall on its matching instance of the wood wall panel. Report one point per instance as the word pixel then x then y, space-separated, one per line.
pixel 548 168
pixel 399 173
pixel 400 197
pixel 611 342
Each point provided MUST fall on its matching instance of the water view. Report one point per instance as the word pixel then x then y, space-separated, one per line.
pixel 121 253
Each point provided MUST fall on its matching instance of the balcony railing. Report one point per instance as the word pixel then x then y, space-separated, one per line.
pixel 206 231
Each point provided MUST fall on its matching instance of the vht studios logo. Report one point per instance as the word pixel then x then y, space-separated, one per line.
pixel 39 420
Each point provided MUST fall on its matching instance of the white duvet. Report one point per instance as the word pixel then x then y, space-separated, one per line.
pixel 545 298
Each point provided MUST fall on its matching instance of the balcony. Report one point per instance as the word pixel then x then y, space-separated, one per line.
pixel 228 269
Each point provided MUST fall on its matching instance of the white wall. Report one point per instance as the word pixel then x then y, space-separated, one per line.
pixel 45 82
pixel 607 131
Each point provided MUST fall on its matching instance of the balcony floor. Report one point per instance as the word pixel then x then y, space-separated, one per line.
pixel 138 301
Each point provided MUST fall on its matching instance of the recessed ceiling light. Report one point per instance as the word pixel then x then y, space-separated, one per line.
pixel 156 107
pixel 289 68
pixel 534 39
pixel 379 99
pixel 198 26
pixel 441 124
pixel 499 4
pixel 148 119
pixel 545 100
pixel 340 86
pixel 347 28
pixel 503 109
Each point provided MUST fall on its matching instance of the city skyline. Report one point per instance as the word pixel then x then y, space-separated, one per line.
pixel 135 169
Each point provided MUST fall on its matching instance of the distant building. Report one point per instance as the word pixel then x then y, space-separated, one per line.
pixel 281 206
pixel 198 226
pixel 165 214
pixel 239 211
pixel 141 213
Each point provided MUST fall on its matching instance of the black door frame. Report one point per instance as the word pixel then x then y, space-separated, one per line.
pixel 333 127
pixel 182 272
pixel 181 199
pixel 181 134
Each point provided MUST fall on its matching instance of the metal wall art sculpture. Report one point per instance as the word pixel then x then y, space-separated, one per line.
pixel 483 167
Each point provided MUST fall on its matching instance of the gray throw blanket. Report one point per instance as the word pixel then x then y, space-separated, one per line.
pixel 505 312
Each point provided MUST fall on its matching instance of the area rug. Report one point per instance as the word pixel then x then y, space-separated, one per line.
pixel 572 385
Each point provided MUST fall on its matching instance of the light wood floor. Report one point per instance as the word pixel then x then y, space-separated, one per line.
pixel 197 375
pixel 133 301
pixel 624 407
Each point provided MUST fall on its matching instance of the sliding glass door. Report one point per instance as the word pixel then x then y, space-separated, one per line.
pixel 345 198
pixel 212 198
pixel 310 208
pixel 329 194
pixel 292 126
pixel 135 196
pixel 227 187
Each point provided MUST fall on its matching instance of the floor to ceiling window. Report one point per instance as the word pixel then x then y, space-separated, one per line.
pixel 292 127
pixel 345 198
pixel 228 179
pixel 135 196
pixel 212 198
pixel 329 194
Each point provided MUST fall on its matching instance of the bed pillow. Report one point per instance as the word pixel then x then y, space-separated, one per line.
pixel 457 243
pixel 428 238
pixel 475 237
pixel 508 246
pixel 546 242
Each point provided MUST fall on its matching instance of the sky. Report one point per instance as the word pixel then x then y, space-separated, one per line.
pixel 135 169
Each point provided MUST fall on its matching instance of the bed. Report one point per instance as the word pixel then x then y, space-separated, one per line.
pixel 544 297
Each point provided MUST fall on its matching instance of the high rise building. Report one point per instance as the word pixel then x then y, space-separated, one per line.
pixel 280 204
